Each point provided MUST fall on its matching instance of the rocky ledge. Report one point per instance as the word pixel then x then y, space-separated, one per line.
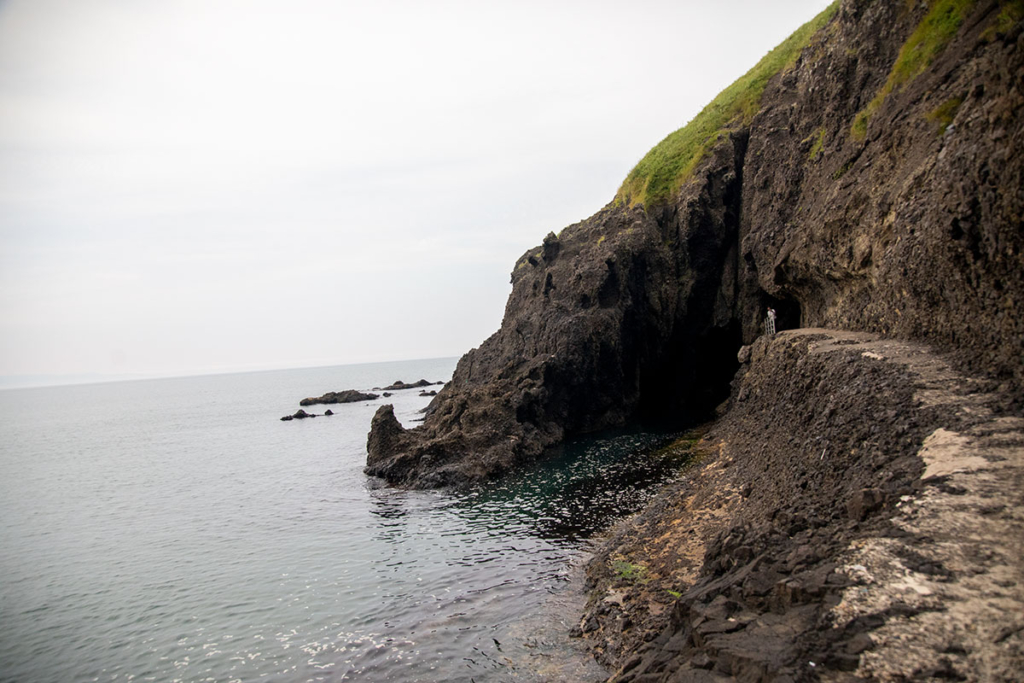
pixel 856 515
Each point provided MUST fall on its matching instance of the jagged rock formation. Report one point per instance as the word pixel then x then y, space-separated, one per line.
pixel 867 191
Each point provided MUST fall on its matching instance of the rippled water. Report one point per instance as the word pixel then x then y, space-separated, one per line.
pixel 177 530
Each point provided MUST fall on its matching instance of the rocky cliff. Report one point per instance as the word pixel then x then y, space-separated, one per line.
pixel 867 175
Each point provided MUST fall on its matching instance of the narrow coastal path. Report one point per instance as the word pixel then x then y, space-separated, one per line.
pixel 953 588
pixel 858 513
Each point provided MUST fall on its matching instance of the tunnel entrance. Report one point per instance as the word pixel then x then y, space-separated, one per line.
pixel 787 311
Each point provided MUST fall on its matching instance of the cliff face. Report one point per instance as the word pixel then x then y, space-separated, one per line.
pixel 915 230
pixel 856 197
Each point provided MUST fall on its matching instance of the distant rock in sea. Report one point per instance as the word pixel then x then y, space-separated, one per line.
pixel 400 385
pixel 331 397
pixel 300 415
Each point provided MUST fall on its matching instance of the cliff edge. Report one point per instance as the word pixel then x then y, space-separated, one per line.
pixel 866 175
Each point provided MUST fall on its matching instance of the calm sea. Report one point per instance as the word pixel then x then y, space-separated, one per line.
pixel 177 530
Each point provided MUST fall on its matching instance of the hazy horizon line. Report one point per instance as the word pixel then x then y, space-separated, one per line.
pixel 56 380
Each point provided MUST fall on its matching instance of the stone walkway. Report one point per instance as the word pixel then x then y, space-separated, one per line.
pixel 951 589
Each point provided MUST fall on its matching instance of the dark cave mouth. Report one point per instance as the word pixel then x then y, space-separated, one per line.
pixel 685 385
pixel 788 312
pixel 716 365
pixel 684 389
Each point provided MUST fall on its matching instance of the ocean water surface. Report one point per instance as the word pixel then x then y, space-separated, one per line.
pixel 177 530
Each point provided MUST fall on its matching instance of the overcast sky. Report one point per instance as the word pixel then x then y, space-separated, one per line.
pixel 192 186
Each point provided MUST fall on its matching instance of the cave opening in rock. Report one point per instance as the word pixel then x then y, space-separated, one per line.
pixel 686 386
pixel 787 310
pixel 715 365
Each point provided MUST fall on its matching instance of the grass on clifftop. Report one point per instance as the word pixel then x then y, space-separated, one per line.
pixel 666 167
pixel 927 41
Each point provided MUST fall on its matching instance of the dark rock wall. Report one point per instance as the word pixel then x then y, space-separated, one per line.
pixel 908 231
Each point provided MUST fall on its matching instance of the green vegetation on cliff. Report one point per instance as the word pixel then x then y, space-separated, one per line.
pixel 666 167
pixel 819 143
pixel 928 40
pixel 943 114
pixel 1010 12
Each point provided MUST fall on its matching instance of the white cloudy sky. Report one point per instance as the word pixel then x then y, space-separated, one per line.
pixel 192 186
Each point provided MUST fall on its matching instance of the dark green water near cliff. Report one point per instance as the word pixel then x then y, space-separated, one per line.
pixel 175 529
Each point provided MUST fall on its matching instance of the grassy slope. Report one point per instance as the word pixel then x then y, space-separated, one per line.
pixel 666 167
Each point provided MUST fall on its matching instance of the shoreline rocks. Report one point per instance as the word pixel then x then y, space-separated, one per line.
pixel 810 542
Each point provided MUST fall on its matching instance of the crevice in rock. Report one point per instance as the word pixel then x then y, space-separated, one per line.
pixel 691 373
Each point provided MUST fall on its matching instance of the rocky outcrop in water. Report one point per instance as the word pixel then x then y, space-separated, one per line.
pixel 399 385
pixel 850 199
pixel 332 397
